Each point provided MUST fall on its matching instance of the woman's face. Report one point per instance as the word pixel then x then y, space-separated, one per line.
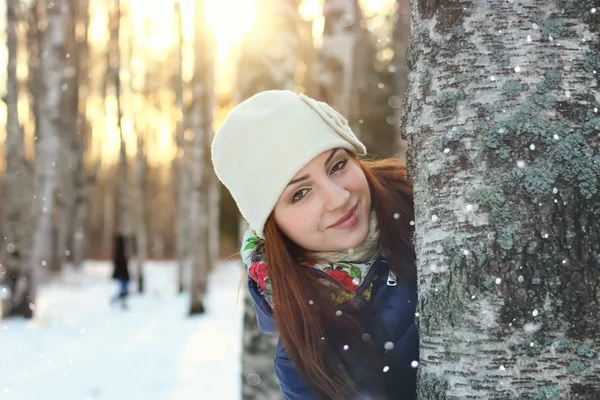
pixel 327 205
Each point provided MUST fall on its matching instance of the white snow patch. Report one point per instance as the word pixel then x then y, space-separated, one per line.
pixel 80 347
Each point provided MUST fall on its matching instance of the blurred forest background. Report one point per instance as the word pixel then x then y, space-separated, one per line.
pixel 110 108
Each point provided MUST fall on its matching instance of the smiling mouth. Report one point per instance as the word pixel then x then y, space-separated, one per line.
pixel 349 219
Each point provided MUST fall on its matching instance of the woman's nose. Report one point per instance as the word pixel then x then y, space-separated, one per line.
pixel 336 196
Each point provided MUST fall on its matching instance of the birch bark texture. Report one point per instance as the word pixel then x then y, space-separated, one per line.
pixel 201 120
pixel 48 128
pixel 503 127
pixel 181 162
pixel 15 208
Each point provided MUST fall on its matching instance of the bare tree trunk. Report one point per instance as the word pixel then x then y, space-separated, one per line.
pixel 141 232
pixel 108 223
pixel 400 67
pixel 82 179
pixel 140 171
pixel 502 124
pixel 52 54
pixel 125 226
pixel 182 163
pixel 70 141
pixel 201 123
pixel 14 273
pixel 335 68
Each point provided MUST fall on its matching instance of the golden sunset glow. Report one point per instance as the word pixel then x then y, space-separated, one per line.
pixel 150 28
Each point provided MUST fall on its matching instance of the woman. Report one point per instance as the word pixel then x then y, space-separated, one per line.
pixel 120 267
pixel 329 250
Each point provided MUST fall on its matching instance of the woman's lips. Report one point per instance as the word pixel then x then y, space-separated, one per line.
pixel 347 221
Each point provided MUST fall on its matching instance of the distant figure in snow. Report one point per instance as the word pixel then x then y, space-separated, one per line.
pixel 120 267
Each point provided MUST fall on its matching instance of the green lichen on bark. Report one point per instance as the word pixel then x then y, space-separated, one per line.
pixel 546 393
pixel 577 367
pixel 432 386
pixel 554 28
pixel 445 105
pixel 512 88
pixel 585 350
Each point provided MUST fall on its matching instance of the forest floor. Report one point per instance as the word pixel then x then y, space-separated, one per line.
pixel 79 346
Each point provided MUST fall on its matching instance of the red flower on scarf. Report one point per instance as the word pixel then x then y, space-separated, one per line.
pixel 258 272
pixel 343 278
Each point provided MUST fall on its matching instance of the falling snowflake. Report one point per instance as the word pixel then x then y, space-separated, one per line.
pixel 346 20
pixel 253 379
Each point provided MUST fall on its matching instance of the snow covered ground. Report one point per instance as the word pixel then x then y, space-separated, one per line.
pixel 80 347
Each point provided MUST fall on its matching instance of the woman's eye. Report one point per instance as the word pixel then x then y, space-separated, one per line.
pixel 339 165
pixel 299 195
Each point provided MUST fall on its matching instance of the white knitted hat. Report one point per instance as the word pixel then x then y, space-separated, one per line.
pixel 266 140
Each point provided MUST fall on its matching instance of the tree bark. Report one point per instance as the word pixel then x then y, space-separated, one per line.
pixel 69 140
pixel 335 69
pixel 125 225
pixel 201 115
pixel 181 163
pixel 52 55
pixel 82 179
pixel 141 230
pixel 14 271
pixel 502 124
pixel 400 69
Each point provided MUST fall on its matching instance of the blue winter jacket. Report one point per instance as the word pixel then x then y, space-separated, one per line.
pixel 391 318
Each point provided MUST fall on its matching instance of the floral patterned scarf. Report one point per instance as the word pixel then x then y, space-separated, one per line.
pixel 349 275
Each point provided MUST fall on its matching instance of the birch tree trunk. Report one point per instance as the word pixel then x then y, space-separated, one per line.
pixel 201 115
pixel 125 226
pixel 140 169
pixel 181 162
pixel 69 140
pixel 141 230
pixel 52 54
pixel 270 66
pixel 343 36
pixel 400 67
pixel 82 179
pixel 13 271
pixel 503 130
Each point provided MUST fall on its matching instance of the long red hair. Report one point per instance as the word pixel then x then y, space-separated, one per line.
pixel 316 339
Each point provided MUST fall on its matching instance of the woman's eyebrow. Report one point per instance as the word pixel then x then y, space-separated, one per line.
pixel 304 177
